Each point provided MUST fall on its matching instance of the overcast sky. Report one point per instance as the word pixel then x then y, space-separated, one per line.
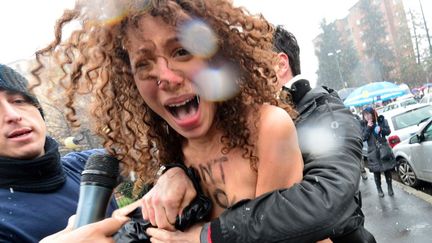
pixel 303 17
pixel 26 25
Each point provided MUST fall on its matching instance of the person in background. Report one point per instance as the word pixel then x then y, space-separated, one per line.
pixel 375 128
pixel 38 188
pixel 326 203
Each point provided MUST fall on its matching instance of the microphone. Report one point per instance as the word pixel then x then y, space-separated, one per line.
pixel 98 180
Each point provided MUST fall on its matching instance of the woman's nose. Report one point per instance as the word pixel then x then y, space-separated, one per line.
pixel 167 76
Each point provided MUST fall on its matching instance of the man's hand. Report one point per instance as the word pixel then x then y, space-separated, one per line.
pixel 167 199
pixel 101 231
pixel 192 235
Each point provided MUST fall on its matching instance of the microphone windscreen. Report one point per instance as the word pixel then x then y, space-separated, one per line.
pixel 101 170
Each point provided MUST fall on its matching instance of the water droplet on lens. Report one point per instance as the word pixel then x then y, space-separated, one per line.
pixel 198 38
pixel 216 84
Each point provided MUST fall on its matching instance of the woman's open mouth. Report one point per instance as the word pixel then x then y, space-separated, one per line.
pixel 185 109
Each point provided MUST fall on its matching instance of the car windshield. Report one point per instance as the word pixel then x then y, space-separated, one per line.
pixel 411 117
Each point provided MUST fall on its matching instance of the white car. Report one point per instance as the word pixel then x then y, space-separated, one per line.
pixel 405 122
pixel 399 104
pixel 426 99
pixel 414 156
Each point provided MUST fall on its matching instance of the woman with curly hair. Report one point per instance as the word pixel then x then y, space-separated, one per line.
pixel 153 108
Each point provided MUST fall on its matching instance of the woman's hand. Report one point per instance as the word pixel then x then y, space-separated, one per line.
pixel 192 235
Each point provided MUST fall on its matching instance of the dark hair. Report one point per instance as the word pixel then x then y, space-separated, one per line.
pixel 371 111
pixel 284 41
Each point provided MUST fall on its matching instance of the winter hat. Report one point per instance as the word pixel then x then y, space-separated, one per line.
pixel 369 110
pixel 11 80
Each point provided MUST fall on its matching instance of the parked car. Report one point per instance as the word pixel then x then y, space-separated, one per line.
pixel 414 156
pixel 405 122
pixel 426 99
pixel 399 104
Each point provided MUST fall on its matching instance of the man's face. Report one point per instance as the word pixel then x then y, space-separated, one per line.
pixel 22 128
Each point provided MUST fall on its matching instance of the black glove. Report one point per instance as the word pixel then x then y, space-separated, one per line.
pixel 134 230
pixel 380 119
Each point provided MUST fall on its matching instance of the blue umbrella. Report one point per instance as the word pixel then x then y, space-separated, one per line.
pixel 373 92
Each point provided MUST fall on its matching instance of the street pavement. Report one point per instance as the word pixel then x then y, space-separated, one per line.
pixel 405 217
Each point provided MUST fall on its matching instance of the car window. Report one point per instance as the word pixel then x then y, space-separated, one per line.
pixel 408 102
pixel 411 117
pixel 390 107
pixel 398 104
pixel 428 133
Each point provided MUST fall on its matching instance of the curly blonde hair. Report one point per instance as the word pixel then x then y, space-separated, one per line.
pixel 94 60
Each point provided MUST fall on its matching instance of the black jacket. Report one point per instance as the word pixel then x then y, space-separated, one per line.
pixel 323 204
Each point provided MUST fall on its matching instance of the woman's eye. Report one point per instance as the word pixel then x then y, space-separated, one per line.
pixel 142 65
pixel 181 52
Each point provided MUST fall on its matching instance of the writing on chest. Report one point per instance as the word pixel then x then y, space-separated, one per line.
pixel 213 178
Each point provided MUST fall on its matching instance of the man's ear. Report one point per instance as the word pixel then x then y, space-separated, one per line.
pixel 283 70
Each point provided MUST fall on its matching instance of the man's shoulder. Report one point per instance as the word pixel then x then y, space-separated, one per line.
pixel 319 99
pixel 77 160
pixel 324 94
